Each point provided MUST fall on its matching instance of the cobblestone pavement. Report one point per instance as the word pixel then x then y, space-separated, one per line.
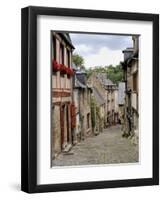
pixel 105 148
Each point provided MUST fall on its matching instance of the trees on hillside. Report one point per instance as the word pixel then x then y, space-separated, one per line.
pixel 114 73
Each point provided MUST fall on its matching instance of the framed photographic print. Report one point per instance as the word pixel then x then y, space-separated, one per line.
pixel 90 99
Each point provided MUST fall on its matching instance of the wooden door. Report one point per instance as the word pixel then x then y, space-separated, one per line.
pixel 62 125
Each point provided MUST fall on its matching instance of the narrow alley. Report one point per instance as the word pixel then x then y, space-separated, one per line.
pixel 105 148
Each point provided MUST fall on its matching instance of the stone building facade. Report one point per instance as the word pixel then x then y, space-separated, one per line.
pixel 82 99
pixel 131 77
pixel 112 103
pixel 97 111
pixel 62 98
pixel 121 101
pixel 109 93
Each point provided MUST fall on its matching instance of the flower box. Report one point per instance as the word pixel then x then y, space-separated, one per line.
pixel 62 68
pixel 56 66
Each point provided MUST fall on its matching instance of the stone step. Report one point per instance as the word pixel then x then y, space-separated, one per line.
pixel 67 148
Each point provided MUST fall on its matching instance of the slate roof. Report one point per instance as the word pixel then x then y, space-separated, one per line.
pixel 80 80
pixel 98 97
pixel 81 76
pixel 133 54
pixel 129 54
pixel 66 37
pixel 78 84
pixel 103 79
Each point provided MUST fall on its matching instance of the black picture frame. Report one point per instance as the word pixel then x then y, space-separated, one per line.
pixel 29 99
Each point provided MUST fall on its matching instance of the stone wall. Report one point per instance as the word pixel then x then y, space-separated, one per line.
pixel 94 81
pixel 56 131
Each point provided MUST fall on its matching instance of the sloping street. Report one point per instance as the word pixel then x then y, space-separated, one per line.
pixel 105 148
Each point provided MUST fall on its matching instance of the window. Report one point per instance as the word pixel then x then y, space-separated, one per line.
pixel 54 48
pixel 54 51
pixel 83 92
pixel 68 57
pixel 88 120
pixel 61 54
pixel 135 80
pixel 61 57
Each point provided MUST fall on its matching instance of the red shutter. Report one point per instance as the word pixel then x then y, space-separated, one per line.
pixel 73 115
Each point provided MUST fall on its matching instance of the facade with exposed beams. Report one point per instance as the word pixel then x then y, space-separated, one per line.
pixel 62 99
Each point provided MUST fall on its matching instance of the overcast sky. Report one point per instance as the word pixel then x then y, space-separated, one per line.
pixel 99 49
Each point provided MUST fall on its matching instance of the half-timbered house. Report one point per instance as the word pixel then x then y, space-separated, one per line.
pixel 62 99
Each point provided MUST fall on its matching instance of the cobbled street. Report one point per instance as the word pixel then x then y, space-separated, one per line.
pixel 105 148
